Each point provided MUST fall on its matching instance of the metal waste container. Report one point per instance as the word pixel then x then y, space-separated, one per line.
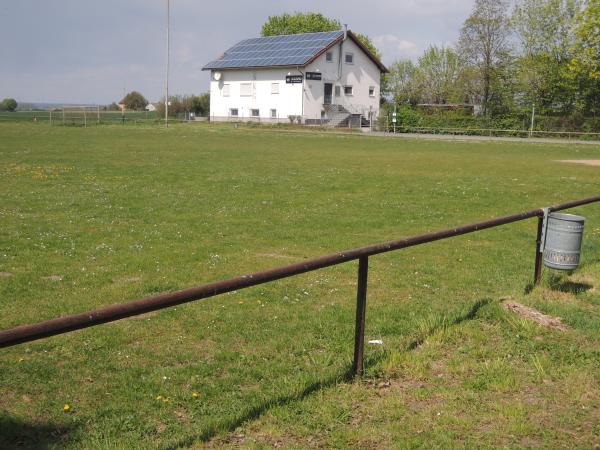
pixel 563 241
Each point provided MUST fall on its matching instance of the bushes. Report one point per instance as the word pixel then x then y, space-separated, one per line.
pixel 409 118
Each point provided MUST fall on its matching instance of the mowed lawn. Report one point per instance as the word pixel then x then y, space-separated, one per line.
pixel 103 215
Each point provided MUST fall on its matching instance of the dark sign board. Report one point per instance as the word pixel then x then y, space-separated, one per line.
pixel 293 79
pixel 313 75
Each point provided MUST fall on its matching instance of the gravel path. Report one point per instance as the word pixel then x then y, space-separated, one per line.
pixel 451 137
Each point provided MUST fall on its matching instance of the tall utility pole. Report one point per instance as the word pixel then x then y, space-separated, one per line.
pixel 167 67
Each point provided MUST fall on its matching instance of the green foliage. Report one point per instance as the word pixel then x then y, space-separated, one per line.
pixel 180 105
pixel 402 83
pixel 367 42
pixel 201 104
pixel 310 22
pixel 8 104
pixel 297 23
pixel 134 101
pixel 585 64
pixel 112 107
pixel 439 68
pixel 545 31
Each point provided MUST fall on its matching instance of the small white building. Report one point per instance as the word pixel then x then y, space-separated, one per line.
pixel 311 78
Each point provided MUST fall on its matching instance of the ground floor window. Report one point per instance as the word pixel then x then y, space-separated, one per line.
pixel 233 112
pixel 348 90
pixel 338 91
pixel 254 112
pixel 273 114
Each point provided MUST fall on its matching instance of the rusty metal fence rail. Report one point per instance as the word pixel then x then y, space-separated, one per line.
pixel 31 332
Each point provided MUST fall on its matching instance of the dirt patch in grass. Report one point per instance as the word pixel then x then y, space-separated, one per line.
pixel 586 162
pixel 533 314
pixel 5 274
pixel 53 278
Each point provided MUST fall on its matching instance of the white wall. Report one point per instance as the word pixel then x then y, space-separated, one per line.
pixel 287 102
pixel 360 75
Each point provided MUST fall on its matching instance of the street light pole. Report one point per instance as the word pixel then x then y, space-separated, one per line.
pixel 167 67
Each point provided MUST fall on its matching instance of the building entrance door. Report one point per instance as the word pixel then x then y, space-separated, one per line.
pixel 328 87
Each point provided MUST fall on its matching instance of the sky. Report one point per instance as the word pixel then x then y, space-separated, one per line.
pixel 93 51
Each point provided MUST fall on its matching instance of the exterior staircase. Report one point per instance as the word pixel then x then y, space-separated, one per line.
pixel 337 116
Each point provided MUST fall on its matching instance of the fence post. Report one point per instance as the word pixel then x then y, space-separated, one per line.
pixel 361 308
pixel 537 274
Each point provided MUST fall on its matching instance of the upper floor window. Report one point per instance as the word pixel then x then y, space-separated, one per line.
pixel 274 88
pixel 348 90
pixel 371 91
pixel 329 56
pixel 245 89
pixel 226 90
pixel 349 58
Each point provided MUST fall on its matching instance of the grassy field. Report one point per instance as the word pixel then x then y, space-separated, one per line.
pixel 75 117
pixel 92 217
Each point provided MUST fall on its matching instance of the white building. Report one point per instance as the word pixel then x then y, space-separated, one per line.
pixel 312 78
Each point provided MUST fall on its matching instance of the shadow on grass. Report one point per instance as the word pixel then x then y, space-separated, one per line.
pixel 469 315
pixel 557 283
pixel 18 434
pixel 256 411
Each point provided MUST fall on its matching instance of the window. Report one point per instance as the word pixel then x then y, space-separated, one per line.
pixel 226 90
pixel 348 90
pixel 329 56
pixel 273 114
pixel 274 88
pixel 233 112
pixel 371 91
pixel 245 89
pixel 254 112
pixel 338 91
pixel 349 58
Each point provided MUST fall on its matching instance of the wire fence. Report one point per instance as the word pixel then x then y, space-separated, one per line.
pixel 491 132
pixel 88 117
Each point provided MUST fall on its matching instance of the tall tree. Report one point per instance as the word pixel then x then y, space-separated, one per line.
pixel 585 64
pixel 484 41
pixel 437 75
pixel 298 23
pixel 135 101
pixel 8 104
pixel 309 22
pixel 402 82
pixel 545 32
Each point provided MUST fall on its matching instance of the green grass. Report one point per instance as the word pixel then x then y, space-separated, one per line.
pixel 92 217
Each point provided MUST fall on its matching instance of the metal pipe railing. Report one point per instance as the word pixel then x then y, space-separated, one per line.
pixel 31 332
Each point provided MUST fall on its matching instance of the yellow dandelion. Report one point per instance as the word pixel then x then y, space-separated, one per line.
pixel 67 407
pixel 240 303
pixel 159 397
pixel 195 394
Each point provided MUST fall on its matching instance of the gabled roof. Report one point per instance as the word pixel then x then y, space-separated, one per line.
pixel 284 50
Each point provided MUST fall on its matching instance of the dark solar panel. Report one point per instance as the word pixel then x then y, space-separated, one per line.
pixel 292 49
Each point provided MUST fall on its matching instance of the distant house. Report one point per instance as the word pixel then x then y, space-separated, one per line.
pixel 311 78
pixel 150 107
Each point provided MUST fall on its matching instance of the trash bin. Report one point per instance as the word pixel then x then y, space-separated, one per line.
pixel 562 247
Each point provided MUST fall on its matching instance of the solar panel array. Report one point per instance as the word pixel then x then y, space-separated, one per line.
pixel 286 50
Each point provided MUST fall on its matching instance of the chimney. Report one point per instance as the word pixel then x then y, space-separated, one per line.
pixel 345 31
